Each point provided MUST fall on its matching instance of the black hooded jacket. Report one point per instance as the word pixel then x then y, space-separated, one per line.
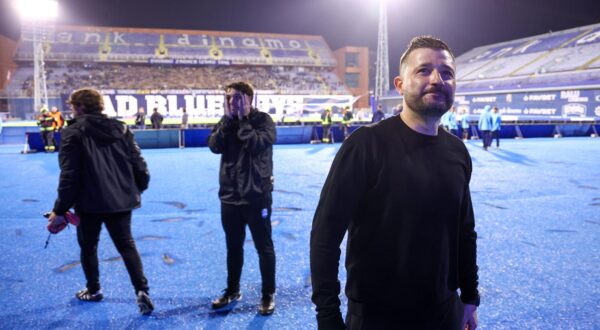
pixel 102 169
pixel 246 148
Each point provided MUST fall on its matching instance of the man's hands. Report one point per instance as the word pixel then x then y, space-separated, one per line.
pixel 469 321
pixel 237 104
pixel 244 110
pixel 56 223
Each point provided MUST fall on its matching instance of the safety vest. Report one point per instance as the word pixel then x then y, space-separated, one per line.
pixel 59 121
pixel 326 119
pixel 46 123
pixel 347 119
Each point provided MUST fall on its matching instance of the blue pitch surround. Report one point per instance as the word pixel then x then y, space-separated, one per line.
pixel 537 205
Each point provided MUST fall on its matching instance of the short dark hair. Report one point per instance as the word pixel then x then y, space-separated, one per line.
pixel 242 86
pixel 90 100
pixel 428 41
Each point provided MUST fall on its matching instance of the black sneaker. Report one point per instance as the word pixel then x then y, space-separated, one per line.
pixel 86 295
pixel 144 303
pixel 227 298
pixel 267 304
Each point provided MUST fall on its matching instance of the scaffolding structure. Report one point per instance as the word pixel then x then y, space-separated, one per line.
pixel 382 75
pixel 40 34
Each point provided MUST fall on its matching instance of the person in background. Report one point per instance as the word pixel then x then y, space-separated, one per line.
pixel 59 121
pixel 496 126
pixel 244 138
pixel 140 119
pixel 102 175
pixel 444 121
pixel 184 119
pixel 326 123
pixel 451 121
pixel 283 115
pixel 398 109
pixel 156 119
pixel 346 120
pixel 464 124
pixel 378 115
pixel 485 126
pixel 46 123
pixel 400 190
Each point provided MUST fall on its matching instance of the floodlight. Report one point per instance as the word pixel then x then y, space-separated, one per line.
pixel 37 9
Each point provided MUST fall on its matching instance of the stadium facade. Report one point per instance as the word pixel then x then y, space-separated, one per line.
pixel 173 69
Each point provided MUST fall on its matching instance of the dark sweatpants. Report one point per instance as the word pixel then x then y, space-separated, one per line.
pixel 258 217
pixel 495 136
pixel 119 228
pixel 448 316
pixel 487 139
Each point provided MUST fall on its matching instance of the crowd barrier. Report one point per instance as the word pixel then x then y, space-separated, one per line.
pixel 198 137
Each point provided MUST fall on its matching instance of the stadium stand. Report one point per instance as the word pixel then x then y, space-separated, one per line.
pixel 163 61
pixel 556 59
pixel 544 85
pixel 63 77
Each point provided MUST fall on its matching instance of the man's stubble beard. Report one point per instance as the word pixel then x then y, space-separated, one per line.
pixel 433 110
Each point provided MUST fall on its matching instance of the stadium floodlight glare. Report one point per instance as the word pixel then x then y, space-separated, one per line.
pixel 37 9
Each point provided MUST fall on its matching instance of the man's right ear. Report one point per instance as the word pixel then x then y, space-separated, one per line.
pixel 398 84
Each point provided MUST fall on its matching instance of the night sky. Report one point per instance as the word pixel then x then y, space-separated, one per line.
pixel 463 24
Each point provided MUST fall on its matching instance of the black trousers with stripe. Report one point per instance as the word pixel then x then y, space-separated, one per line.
pixel 234 219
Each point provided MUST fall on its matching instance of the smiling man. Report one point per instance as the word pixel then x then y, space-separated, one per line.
pixel 400 188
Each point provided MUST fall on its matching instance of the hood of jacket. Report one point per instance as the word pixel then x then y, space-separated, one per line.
pixel 100 127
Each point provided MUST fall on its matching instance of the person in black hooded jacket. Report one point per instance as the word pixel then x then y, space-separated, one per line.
pixel 102 176
pixel 244 137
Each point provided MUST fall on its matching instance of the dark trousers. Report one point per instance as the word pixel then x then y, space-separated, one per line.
pixel 448 316
pixel 48 138
pixel 327 134
pixel 119 228
pixel 465 133
pixel 258 217
pixel 496 136
pixel 345 129
pixel 487 139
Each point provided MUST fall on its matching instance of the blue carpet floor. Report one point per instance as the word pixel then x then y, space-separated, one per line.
pixel 537 207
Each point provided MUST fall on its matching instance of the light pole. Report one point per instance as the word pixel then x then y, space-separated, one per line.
pixel 37 19
pixel 382 75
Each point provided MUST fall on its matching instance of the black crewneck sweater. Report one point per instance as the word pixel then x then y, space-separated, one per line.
pixel 404 199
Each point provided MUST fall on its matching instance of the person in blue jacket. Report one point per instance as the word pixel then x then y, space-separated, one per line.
pixel 496 124
pixel 464 124
pixel 444 121
pixel 451 121
pixel 485 126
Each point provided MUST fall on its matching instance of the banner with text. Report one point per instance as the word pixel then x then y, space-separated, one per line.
pixel 210 103
pixel 565 103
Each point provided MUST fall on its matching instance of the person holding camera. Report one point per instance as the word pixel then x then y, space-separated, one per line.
pixel 244 138
pixel 102 175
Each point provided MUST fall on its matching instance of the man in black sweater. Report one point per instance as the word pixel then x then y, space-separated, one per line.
pixel 244 137
pixel 102 175
pixel 400 188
